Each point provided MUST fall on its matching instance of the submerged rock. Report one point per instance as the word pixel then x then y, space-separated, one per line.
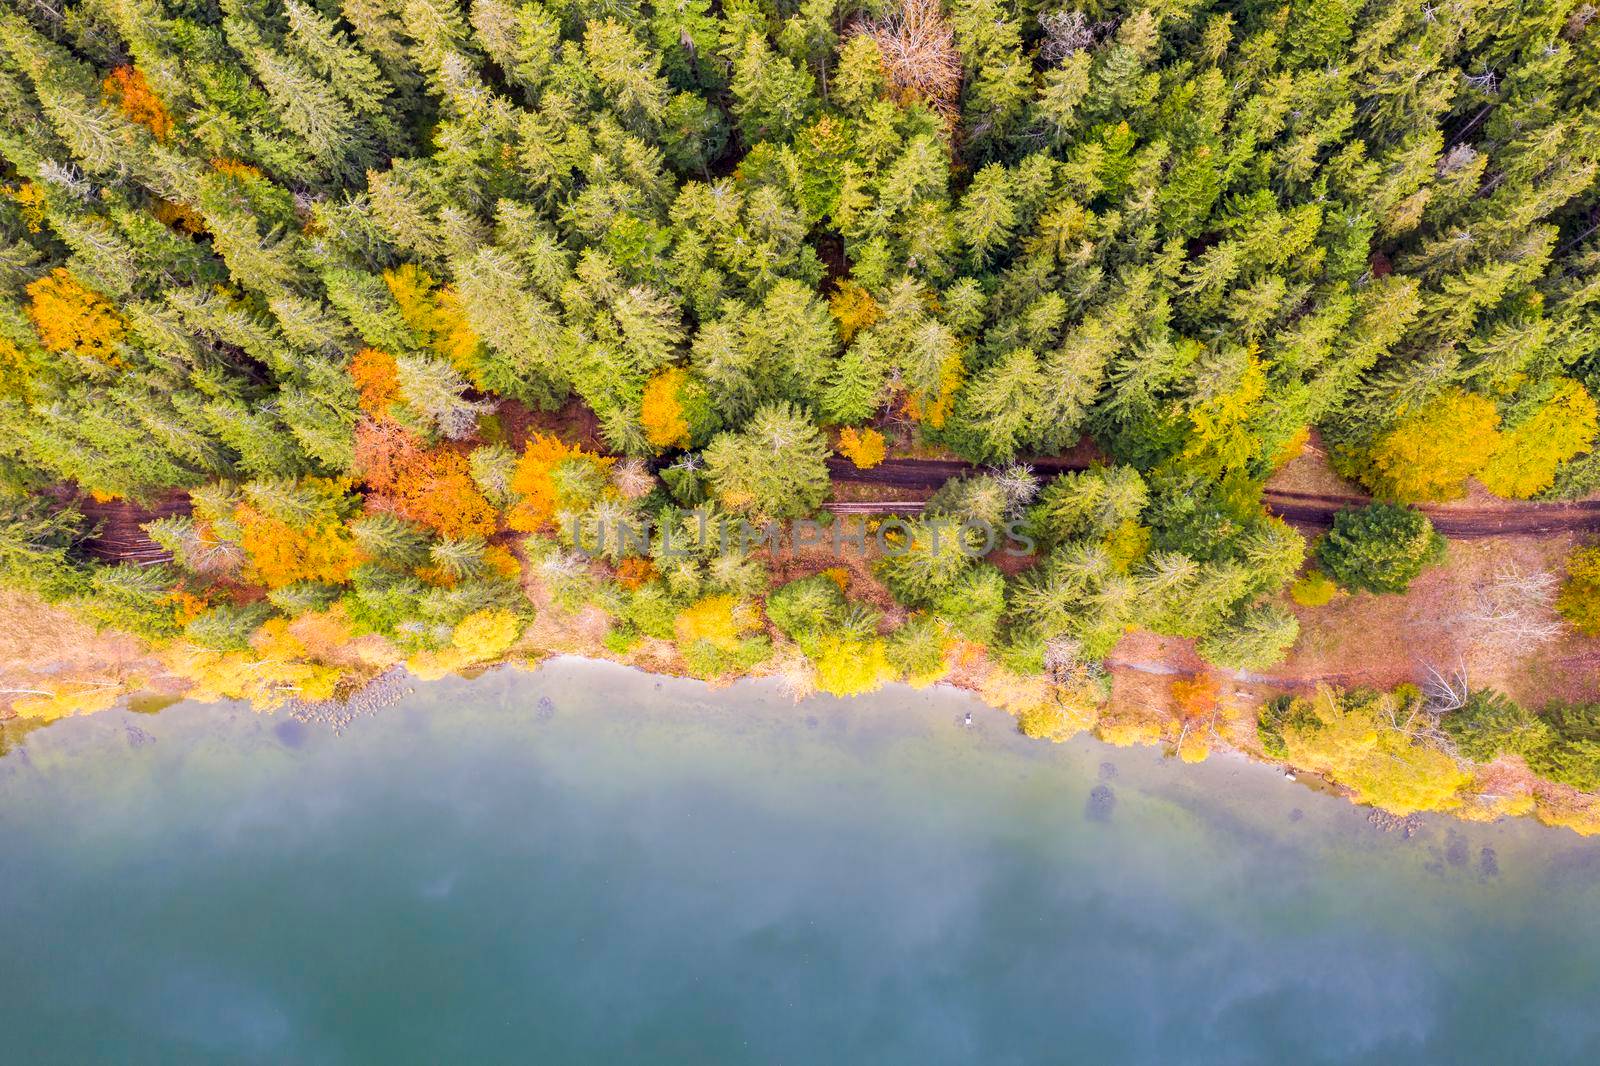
pixel 1102 801
pixel 291 732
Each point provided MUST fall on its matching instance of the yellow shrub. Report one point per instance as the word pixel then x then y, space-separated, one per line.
pixel 1043 710
pixel 1314 589
pixel 1123 732
pixel 1492 809
pixel 486 634
pixel 721 621
pixel 68 699
pixel 1579 599
pixel 1354 743
pixel 1581 816
pixel 865 448
pixel 851 667
pixel 435 665
pixel 1195 746
pixel 264 683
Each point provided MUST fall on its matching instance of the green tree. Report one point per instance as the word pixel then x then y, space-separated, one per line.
pixel 1379 548
pixel 774 468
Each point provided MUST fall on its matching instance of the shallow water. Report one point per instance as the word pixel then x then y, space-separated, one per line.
pixel 641 870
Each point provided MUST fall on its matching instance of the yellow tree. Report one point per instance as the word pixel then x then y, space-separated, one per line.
pixel 1428 455
pixel 71 317
pixel 1526 458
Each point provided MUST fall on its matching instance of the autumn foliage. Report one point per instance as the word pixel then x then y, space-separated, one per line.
pixel 434 314
pixel 1579 601
pixel 377 380
pixel 280 554
pixel 934 408
pixel 722 621
pixel 535 481
pixel 13 370
pixel 854 309
pixel 238 171
pixel 430 486
pixel 71 317
pixel 661 413
pixel 125 86
pixel 1429 455
pixel 633 572
pixel 1196 697
pixel 1525 461
pixel 30 202
pixel 864 448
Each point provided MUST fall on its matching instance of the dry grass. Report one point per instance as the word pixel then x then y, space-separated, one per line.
pixel 44 650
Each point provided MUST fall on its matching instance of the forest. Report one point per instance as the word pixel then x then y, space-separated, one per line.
pixel 400 297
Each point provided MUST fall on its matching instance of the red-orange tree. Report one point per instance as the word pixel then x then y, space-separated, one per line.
pixel 430 486
pixel 126 87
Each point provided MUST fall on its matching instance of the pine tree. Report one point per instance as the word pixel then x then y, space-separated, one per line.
pixel 774 468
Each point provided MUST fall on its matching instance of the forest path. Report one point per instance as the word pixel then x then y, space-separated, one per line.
pixel 1309 510
pixel 121 538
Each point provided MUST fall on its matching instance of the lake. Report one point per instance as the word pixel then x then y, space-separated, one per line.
pixel 584 864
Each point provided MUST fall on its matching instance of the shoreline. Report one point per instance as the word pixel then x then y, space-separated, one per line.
pixel 398 681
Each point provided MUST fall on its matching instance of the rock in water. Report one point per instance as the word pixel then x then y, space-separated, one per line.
pixel 1101 802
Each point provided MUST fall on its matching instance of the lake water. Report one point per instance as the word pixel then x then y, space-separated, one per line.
pixel 642 870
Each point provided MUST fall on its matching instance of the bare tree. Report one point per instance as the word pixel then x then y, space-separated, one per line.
pixel 1511 611
pixel 1445 692
pixel 919 53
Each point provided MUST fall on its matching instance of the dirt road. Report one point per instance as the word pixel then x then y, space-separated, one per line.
pixel 1512 518
pixel 121 539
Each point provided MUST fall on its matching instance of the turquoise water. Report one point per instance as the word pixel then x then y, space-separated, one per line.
pixel 648 871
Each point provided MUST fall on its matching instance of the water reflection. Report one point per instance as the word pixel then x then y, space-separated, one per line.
pixel 584 864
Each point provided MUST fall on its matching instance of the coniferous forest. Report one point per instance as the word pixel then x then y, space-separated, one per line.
pixel 399 298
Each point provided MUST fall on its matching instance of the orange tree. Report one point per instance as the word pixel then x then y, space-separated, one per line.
pixel 377 380
pixel 125 86
pixel 553 475
pixel 430 486
pixel 71 317
pixel 296 532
